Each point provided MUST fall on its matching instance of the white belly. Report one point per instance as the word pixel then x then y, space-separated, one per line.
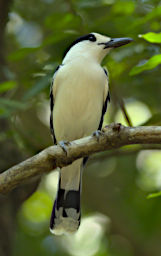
pixel 78 102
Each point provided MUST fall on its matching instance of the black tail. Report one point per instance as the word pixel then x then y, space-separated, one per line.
pixel 66 213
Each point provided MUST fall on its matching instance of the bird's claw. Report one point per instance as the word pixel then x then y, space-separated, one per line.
pixel 97 134
pixel 63 145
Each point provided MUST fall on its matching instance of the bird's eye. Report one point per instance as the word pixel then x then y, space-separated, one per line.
pixel 92 38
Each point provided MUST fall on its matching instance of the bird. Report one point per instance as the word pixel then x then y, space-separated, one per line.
pixel 79 96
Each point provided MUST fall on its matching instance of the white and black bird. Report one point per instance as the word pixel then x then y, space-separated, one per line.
pixel 78 101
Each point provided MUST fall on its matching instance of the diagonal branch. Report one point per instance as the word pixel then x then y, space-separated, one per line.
pixel 114 136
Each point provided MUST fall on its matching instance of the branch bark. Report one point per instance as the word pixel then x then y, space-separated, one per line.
pixel 113 136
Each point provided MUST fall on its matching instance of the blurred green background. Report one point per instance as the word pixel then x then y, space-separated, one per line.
pixel 119 218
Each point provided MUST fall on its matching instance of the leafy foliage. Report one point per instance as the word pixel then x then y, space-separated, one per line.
pixel 37 34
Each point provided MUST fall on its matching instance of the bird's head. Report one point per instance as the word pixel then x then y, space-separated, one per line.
pixel 94 46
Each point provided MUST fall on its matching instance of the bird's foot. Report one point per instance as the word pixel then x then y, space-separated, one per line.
pixel 63 144
pixel 97 134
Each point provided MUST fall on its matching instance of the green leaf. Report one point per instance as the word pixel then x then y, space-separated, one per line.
pixel 152 37
pixel 150 64
pixel 22 53
pixel 12 104
pixel 7 107
pixel 153 195
pixel 54 38
pixel 154 14
pixel 67 21
pixel 6 86
pixel 2 111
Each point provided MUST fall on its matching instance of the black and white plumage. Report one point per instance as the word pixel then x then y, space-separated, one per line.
pixel 78 101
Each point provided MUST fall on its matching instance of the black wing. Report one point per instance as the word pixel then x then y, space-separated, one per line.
pixel 104 105
pixel 52 107
pixel 85 159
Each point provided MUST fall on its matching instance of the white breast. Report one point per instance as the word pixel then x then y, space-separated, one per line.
pixel 78 91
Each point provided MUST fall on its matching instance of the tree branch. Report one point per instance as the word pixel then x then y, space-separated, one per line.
pixel 114 136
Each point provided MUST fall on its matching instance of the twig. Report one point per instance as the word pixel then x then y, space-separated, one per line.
pixel 121 103
pixel 124 111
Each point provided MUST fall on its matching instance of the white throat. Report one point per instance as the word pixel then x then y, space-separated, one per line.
pixel 93 53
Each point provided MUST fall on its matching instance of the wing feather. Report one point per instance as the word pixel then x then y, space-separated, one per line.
pixel 106 100
pixel 52 105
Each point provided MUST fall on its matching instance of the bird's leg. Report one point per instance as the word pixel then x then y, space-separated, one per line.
pixel 97 134
pixel 63 144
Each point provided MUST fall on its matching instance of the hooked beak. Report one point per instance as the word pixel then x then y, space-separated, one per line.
pixel 117 42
